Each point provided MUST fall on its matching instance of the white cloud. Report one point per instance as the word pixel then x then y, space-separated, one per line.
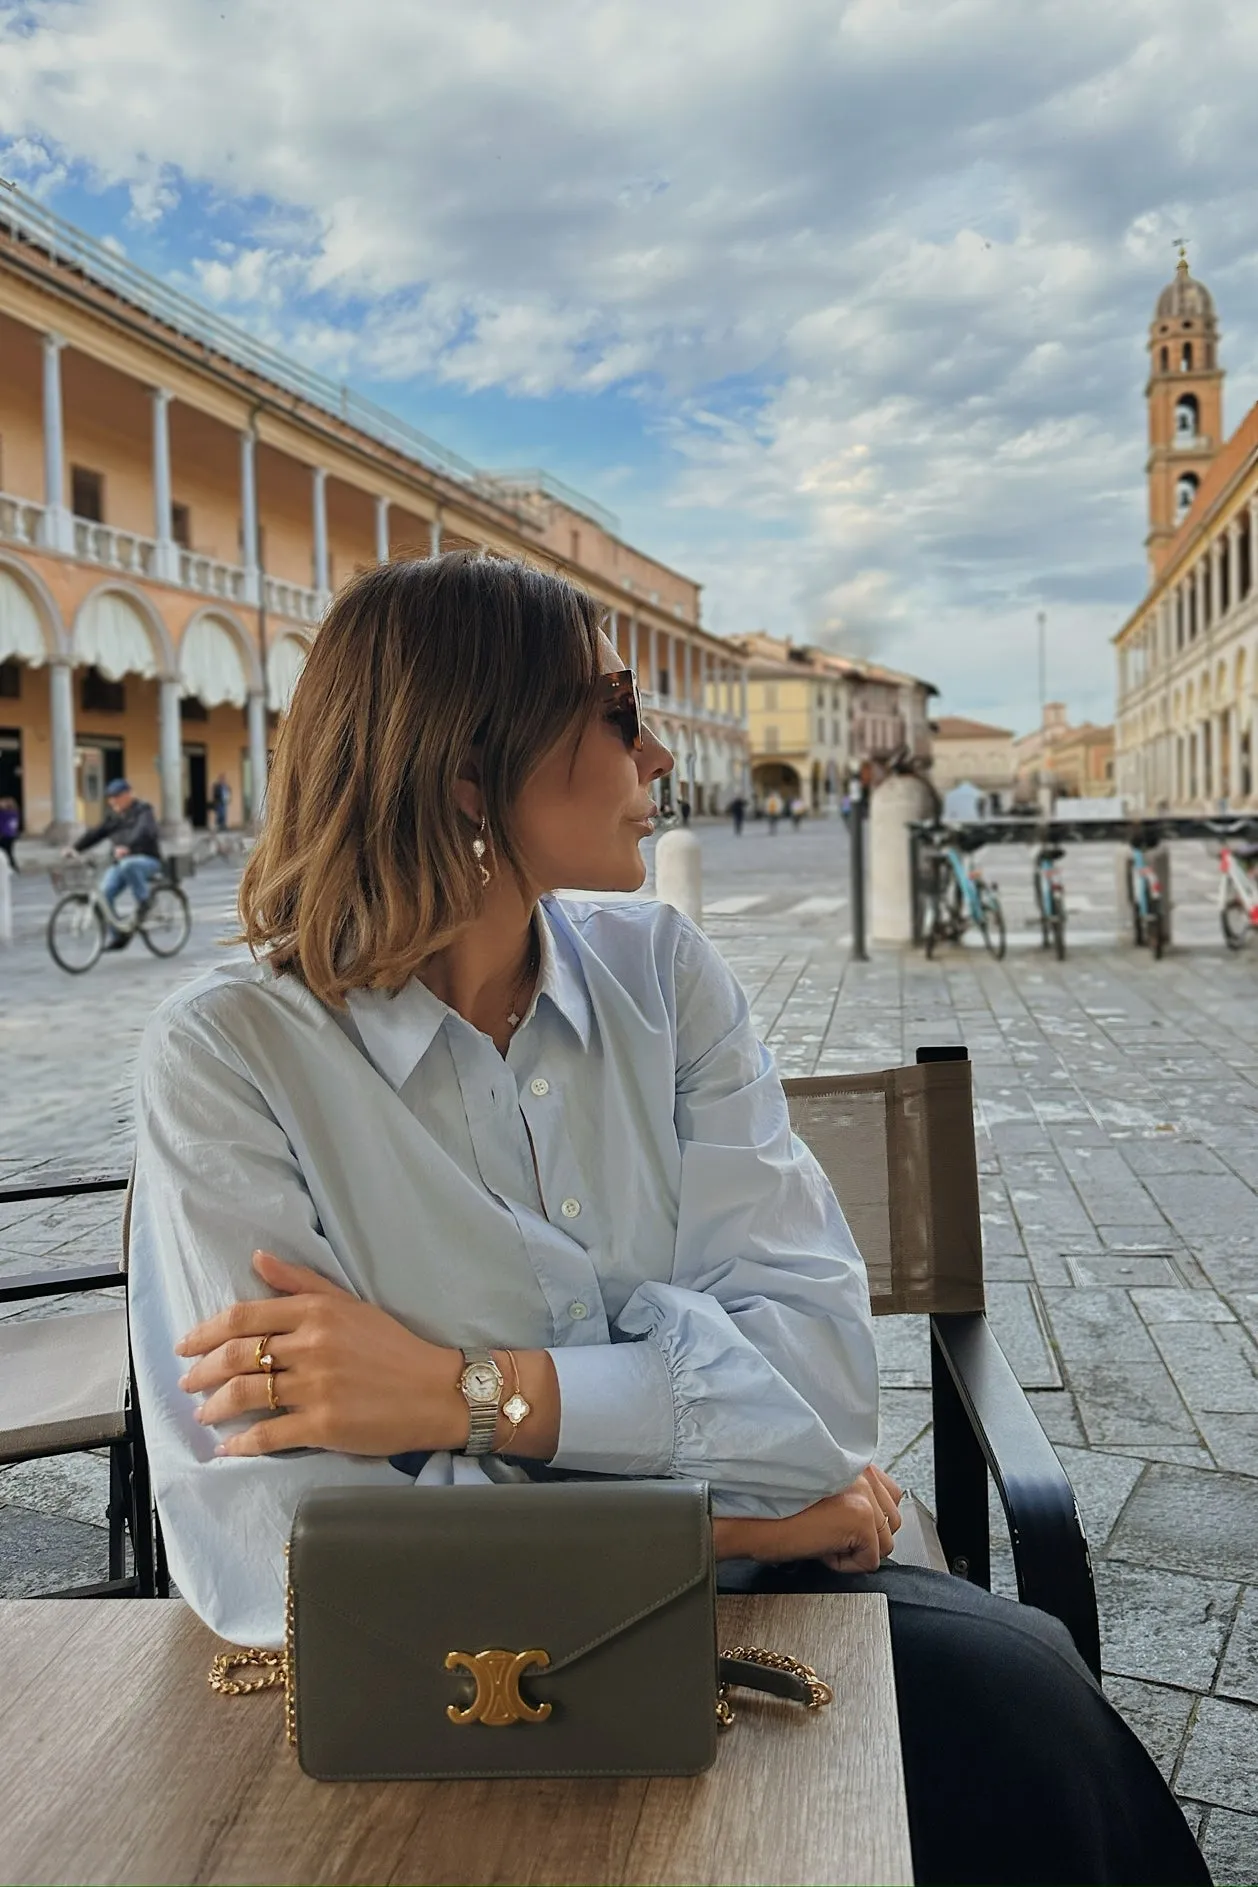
pixel 920 237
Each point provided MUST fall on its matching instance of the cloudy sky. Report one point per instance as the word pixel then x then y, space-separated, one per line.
pixel 839 306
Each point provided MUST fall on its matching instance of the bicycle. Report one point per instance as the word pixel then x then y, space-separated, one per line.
pixel 958 897
pixel 1148 921
pixel 1050 898
pixel 80 920
pixel 1238 894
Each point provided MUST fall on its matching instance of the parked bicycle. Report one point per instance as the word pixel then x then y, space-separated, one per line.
pixel 960 896
pixel 1050 899
pixel 1238 893
pixel 1148 909
pixel 81 920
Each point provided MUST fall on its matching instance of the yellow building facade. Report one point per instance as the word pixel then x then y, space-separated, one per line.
pixel 1186 729
pixel 814 717
pixel 179 502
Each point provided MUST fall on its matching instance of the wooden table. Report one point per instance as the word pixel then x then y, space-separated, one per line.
pixel 119 1764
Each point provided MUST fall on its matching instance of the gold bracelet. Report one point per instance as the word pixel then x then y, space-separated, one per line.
pixel 515 1408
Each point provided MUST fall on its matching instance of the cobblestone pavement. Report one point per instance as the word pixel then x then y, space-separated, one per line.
pixel 1117 1119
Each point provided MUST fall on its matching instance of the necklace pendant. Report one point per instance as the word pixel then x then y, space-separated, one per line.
pixel 513 1019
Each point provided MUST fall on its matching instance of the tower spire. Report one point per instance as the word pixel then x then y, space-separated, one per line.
pixel 1185 402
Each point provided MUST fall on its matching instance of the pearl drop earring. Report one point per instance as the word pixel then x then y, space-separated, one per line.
pixel 478 852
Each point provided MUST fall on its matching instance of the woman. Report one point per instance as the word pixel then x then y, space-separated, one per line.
pixel 442 1114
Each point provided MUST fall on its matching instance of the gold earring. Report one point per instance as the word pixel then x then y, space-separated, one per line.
pixel 478 853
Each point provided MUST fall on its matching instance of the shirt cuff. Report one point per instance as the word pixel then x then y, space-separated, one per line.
pixel 615 1409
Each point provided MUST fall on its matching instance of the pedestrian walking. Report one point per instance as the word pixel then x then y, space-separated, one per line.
pixel 10 826
pixel 773 810
pixel 738 812
pixel 798 810
pixel 220 801
pixel 683 807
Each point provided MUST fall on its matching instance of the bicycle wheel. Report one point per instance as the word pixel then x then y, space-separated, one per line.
pixel 992 923
pixel 76 932
pixel 1057 923
pixel 166 924
pixel 1235 919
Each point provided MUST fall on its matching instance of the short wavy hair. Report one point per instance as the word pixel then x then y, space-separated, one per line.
pixel 364 866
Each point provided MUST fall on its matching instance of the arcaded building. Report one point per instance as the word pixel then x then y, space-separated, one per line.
pixel 1186 729
pixel 177 504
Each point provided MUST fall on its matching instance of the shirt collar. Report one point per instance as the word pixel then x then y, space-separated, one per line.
pixel 398 1030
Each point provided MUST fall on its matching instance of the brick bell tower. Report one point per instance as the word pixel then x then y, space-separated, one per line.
pixel 1185 401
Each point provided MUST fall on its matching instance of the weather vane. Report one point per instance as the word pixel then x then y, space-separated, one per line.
pixel 1178 242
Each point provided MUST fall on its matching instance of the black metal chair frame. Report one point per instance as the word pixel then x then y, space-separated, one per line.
pixel 983 1423
pixel 131 1512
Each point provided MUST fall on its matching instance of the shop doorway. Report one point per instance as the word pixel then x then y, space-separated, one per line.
pixel 96 763
pixel 196 800
pixel 11 767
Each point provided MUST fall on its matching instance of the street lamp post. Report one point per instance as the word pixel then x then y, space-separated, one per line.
pixel 1041 783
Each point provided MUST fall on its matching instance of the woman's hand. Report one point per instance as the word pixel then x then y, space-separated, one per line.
pixel 348 1376
pixel 849 1532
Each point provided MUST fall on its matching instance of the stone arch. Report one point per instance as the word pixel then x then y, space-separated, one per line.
pixel 117 630
pixel 217 661
pixel 285 660
pixel 31 629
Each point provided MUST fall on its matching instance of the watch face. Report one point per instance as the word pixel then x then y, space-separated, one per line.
pixel 482 1381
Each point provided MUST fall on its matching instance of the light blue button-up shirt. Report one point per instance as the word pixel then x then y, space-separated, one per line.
pixel 677 1250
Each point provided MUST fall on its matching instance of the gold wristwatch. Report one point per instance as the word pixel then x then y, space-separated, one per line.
pixel 482 1385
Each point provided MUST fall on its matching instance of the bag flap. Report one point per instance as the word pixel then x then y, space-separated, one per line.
pixel 559 1567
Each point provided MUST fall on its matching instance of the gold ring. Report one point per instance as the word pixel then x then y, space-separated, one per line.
pixel 272 1400
pixel 262 1353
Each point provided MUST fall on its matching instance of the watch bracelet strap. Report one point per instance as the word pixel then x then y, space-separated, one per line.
pixel 483 1422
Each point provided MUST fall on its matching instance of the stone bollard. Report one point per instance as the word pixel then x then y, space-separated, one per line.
pixel 900 800
pixel 679 872
pixel 6 899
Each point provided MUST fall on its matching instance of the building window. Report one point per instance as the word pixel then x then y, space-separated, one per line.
pixel 1244 571
pixel 191 708
pixel 770 694
pixel 821 730
pixel 1225 579
pixel 87 494
pixel 181 526
pixel 1185 357
pixel 1186 416
pixel 10 681
pixel 575 546
pixel 663 681
pixel 1166 359
pixel 99 696
pixel 1185 492
pixel 770 739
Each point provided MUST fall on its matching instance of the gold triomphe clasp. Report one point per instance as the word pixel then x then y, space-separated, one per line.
pixel 497 1702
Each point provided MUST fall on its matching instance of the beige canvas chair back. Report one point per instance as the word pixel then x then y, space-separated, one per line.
pixel 898 1148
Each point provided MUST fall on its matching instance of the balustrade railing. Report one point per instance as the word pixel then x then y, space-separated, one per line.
pixel 211 577
pixel 116 550
pixel 21 522
pixel 291 600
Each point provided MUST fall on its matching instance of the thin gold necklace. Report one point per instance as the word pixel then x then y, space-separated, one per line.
pixel 513 1018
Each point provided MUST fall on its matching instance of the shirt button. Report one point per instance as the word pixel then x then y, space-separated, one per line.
pixel 570 1208
pixel 540 1085
pixel 577 1311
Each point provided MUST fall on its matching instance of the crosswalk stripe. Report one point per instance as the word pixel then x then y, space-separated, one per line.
pixel 817 907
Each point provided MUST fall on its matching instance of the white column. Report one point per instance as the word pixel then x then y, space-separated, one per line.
pixel 434 535
pixel 167 562
pixel 257 756
pixel 1234 795
pixel 170 754
pixel 61 717
pixel 59 524
pixel 633 646
pixel 1232 561
pixel 654 646
pixel 382 530
pixel 742 697
pixel 249 516
pixel 319 518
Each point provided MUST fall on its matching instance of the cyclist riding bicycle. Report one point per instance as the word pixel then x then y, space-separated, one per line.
pixel 131 826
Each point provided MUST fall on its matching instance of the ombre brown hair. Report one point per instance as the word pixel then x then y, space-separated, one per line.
pixel 364 866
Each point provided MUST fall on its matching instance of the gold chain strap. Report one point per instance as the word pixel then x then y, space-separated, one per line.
pixel 819 1692
pixel 277 1668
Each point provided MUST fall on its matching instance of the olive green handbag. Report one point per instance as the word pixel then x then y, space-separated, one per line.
pixel 561 1629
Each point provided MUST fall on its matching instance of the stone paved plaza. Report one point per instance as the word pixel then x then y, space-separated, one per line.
pixel 1118 1141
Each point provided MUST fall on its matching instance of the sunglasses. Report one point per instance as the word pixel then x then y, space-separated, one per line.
pixel 623 704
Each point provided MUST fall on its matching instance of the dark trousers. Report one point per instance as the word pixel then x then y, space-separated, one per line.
pixel 1017 1769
